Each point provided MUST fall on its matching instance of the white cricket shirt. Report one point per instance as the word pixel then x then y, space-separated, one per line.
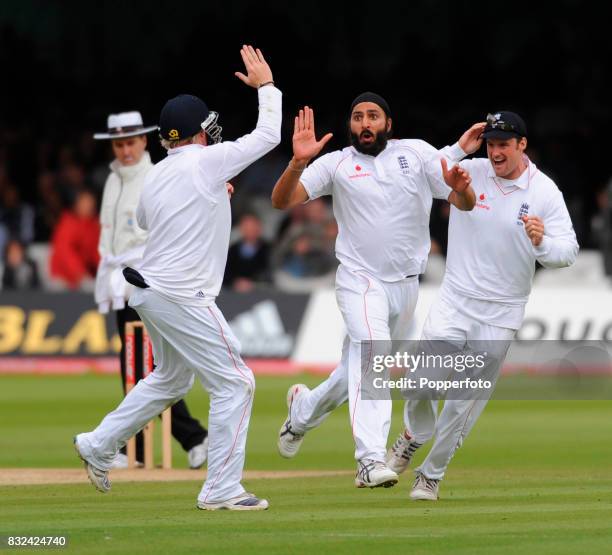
pixel 382 204
pixel 186 209
pixel 491 261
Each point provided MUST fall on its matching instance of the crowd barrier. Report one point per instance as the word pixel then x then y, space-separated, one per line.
pixel 280 333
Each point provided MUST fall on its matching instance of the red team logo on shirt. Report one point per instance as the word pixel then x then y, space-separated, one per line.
pixel 481 202
pixel 358 169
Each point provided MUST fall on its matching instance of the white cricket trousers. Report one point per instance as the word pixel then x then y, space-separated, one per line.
pixel 447 323
pixel 373 311
pixel 188 341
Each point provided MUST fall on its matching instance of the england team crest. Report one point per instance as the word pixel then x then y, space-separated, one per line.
pixel 523 211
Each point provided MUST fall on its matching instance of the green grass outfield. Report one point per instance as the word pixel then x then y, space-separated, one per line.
pixel 533 477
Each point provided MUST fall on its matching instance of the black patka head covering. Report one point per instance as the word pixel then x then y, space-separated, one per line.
pixel 372 97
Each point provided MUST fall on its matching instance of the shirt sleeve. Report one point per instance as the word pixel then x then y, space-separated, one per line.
pixel 454 153
pixel 318 177
pixel 229 158
pixel 140 215
pixel 559 247
pixel 433 169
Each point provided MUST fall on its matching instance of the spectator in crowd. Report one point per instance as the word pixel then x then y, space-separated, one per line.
pixel 307 241
pixel 49 207
pixel 305 251
pixel 315 213
pixel 70 180
pixel 19 271
pixel 248 259
pixel 306 257
pixel 74 245
pixel 16 217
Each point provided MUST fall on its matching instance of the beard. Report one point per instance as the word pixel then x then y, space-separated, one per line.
pixel 375 147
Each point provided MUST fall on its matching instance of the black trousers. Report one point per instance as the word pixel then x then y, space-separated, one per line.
pixel 186 430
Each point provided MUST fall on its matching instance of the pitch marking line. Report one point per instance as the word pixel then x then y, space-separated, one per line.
pixel 36 476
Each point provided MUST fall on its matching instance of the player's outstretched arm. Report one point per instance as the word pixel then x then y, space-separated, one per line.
pixel 459 180
pixel 232 157
pixel 258 70
pixel 289 191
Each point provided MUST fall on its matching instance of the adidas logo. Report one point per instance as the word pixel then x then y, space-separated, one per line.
pixel 200 294
pixel 261 332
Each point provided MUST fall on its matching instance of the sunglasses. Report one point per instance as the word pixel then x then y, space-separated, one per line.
pixel 495 123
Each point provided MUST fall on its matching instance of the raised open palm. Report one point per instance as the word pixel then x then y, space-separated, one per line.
pixel 258 70
pixel 305 144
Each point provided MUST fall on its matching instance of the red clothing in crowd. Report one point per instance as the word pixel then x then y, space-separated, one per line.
pixel 74 248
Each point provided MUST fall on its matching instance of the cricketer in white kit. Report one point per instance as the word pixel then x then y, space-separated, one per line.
pixel 185 208
pixel 382 193
pixel 520 217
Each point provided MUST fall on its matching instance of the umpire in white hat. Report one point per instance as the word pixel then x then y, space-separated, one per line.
pixel 122 244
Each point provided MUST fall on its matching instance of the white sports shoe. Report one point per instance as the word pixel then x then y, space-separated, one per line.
pixel 374 474
pixel 99 478
pixel 120 461
pixel 289 442
pixel 244 502
pixel 197 455
pixel 401 452
pixel 424 489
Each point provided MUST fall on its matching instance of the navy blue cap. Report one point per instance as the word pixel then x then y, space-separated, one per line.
pixel 181 117
pixel 504 125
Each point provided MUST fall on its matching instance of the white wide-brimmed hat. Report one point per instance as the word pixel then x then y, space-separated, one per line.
pixel 123 125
